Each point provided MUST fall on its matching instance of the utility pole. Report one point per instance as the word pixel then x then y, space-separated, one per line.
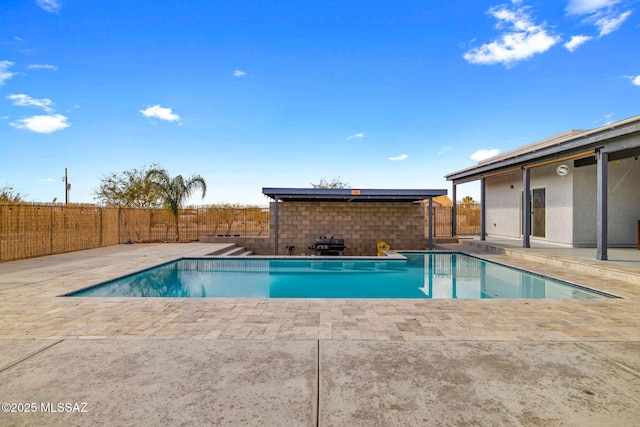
pixel 67 187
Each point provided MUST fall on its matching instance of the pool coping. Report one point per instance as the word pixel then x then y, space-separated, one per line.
pixel 29 298
pixel 74 349
pixel 390 255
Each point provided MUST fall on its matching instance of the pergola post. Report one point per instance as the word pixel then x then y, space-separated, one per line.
pixel 526 208
pixel 275 226
pixel 454 213
pixel 602 202
pixel 431 223
pixel 483 210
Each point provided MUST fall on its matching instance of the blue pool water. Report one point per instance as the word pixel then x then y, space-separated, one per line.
pixel 420 275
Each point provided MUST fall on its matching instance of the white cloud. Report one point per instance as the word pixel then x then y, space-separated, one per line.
pixel 484 154
pixel 239 73
pixel 610 22
pixel 576 41
pixel 603 14
pixel 5 74
pixel 635 80
pixel 23 100
pixel 444 150
pixel 522 39
pixel 356 135
pixel 400 157
pixel 43 67
pixel 51 6
pixel 42 124
pixel 161 113
pixel 584 7
pixel 608 119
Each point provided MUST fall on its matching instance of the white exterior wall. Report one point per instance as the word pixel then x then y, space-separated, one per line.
pixel 559 202
pixel 584 214
pixel 503 204
pixel 624 203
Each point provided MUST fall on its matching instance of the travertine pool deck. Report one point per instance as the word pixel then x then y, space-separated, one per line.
pixel 311 362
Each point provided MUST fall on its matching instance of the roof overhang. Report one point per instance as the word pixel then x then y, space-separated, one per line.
pixel 350 194
pixel 619 139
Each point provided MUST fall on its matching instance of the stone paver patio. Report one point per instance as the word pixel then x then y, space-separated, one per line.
pixel 578 361
pixel 32 308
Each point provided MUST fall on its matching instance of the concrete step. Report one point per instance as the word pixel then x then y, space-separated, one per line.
pixel 459 247
pixel 445 240
pixel 236 251
pixel 601 269
pixel 482 246
pixel 222 248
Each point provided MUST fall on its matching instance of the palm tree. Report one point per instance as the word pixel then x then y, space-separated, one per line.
pixel 174 191
pixel 467 200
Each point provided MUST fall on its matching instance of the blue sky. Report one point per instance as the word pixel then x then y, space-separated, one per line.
pixel 252 94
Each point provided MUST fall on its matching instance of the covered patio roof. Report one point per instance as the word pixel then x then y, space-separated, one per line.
pixel 350 194
pixel 615 139
pixel 598 146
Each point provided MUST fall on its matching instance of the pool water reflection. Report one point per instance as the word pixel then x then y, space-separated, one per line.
pixel 419 275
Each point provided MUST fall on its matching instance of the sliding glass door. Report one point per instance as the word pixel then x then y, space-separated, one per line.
pixel 539 217
pixel 538 213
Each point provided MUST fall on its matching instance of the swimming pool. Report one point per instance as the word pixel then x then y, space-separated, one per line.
pixel 412 275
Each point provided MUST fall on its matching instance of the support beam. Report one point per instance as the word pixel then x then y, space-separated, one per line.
pixel 526 208
pixel 602 202
pixel 431 223
pixel 483 210
pixel 454 213
pixel 275 226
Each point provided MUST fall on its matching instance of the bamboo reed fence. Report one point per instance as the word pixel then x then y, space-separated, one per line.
pixel 32 230
pixel 467 220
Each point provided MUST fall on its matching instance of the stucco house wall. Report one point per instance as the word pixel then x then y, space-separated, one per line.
pixel 503 205
pixel 570 203
pixel 504 214
pixel 559 206
pixel 624 203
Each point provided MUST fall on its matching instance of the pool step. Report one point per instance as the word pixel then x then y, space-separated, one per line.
pixel 456 247
pixel 596 268
pixel 236 251
pixel 221 248
pixel 230 249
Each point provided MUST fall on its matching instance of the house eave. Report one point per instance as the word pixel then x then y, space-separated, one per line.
pixel 606 138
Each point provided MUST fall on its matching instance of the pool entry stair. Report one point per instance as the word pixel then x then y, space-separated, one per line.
pixel 231 249
pixel 604 270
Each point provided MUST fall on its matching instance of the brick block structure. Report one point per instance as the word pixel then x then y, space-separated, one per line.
pixel 362 225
